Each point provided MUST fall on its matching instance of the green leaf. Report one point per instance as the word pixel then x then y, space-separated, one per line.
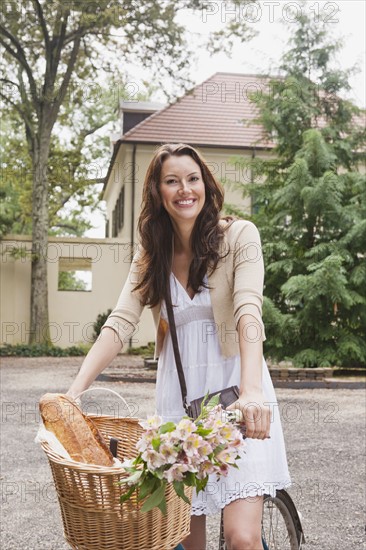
pixel 167 427
pixel 162 506
pixel 218 449
pixel 179 489
pixel 203 431
pixel 190 479
pixel 156 443
pixel 147 487
pixel 155 499
pixel 215 400
pixel 126 496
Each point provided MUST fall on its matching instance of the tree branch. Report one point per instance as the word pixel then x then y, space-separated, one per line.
pixel 22 113
pixel 25 100
pixel 58 41
pixel 84 133
pixel 43 26
pixel 20 57
pixel 6 80
pixel 66 80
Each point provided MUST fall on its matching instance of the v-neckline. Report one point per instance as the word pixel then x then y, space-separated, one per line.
pixel 180 284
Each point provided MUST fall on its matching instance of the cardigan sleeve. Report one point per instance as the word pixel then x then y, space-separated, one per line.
pixel 126 315
pixel 248 276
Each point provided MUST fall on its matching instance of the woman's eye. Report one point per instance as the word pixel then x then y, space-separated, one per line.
pixel 170 181
pixel 194 178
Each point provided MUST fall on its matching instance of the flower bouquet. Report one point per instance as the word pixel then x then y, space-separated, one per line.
pixel 182 454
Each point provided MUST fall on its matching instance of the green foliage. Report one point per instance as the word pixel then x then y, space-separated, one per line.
pixel 41 350
pixel 315 271
pixel 311 209
pixel 101 319
pixel 145 351
pixel 67 280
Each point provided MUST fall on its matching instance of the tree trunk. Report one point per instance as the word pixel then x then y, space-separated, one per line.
pixel 39 325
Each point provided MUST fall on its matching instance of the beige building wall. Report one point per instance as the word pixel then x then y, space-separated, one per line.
pixel 71 313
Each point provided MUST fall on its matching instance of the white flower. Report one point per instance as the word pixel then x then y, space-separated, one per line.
pixel 168 451
pixel 185 428
pixel 152 422
pixel 191 444
pixel 153 459
pixel 175 472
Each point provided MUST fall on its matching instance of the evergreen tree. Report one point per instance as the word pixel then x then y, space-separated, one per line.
pixel 311 208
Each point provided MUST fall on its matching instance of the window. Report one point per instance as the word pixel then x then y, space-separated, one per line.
pixel 118 213
pixel 75 274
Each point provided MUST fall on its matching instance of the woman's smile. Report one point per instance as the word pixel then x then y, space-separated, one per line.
pixel 185 203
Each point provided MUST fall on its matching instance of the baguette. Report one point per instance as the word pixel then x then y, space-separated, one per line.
pixel 75 431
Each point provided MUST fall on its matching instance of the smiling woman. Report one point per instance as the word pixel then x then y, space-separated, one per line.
pixel 213 269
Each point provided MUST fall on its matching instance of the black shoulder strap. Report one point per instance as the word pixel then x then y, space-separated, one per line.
pixel 173 332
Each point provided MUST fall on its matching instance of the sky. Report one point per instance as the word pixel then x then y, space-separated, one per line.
pixel 346 20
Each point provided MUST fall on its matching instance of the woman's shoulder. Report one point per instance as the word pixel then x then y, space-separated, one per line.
pixel 238 228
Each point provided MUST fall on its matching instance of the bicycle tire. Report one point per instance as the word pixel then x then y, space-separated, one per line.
pixel 281 525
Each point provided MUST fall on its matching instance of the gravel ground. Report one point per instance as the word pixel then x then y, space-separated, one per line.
pixel 324 432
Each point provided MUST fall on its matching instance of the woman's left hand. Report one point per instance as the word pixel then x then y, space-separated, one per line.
pixel 256 415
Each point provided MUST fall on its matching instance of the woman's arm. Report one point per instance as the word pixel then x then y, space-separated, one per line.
pixel 103 351
pixel 248 297
pixel 256 413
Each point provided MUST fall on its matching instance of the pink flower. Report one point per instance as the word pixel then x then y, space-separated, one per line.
pixel 191 444
pixel 145 441
pixel 153 459
pixel 206 468
pixel 185 428
pixel 168 451
pixel 152 422
pixel 204 449
pixel 227 456
pixel 175 472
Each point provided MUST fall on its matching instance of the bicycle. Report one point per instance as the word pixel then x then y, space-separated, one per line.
pixel 281 524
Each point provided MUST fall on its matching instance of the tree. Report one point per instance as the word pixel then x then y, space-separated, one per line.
pixel 75 165
pixel 311 208
pixel 50 48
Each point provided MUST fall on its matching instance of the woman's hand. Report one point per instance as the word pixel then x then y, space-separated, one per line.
pixel 255 414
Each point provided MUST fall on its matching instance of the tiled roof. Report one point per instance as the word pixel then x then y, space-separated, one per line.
pixel 217 112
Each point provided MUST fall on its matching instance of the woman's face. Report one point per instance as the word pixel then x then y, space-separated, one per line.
pixel 182 188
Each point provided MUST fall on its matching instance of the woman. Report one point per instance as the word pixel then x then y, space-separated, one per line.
pixel 215 270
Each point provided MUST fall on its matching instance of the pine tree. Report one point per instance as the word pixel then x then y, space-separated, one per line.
pixel 311 208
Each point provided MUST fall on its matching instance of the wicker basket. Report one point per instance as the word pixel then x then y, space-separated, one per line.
pixel 89 498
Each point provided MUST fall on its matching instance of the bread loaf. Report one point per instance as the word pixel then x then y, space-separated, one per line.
pixel 75 431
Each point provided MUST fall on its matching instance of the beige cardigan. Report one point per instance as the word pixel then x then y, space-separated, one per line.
pixel 236 289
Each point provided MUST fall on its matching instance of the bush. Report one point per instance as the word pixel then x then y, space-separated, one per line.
pixel 145 351
pixel 101 319
pixel 42 350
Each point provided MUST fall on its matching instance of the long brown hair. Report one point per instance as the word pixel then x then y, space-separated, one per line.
pixel 156 230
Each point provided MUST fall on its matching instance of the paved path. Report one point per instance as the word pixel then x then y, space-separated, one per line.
pixel 324 431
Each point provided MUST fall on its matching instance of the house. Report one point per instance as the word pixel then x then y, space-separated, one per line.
pixel 217 116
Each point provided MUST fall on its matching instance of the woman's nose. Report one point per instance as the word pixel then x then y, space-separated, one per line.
pixel 184 187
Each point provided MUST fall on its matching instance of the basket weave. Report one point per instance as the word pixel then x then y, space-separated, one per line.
pixel 89 497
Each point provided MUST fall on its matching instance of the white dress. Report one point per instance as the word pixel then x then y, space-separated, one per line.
pixel 263 466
